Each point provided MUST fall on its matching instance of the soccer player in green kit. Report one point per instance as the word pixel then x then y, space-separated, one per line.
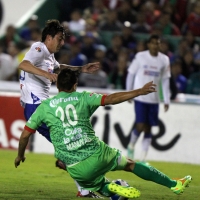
pixel 87 158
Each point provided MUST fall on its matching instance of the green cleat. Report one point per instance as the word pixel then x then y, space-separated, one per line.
pixel 181 184
pixel 128 192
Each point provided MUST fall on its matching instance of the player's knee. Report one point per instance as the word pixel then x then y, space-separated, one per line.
pixel 130 165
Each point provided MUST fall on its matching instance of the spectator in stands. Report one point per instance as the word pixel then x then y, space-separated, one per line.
pixel 96 12
pixel 36 35
pixel 64 56
pixel 166 49
pixel 7 68
pixel 88 40
pixel 193 84
pixel 193 21
pixel 112 4
pixel 100 56
pixel 99 78
pixel 15 47
pixel 180 12
pixel 76 23
pixel 111 23
pixel 127 36
pixel 188 65
pixel 76 57
pixel 118 75
pixel 114 49
pixel 125 13
pixel 140 26
pixel 168 28
pixel 192 41
pixel 151 12
pixel 176 74
pixel 182 48
pixel 11 35
pixel 32 23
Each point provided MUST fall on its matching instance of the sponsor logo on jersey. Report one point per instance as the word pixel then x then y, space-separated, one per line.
pixel 50 67
pixel 54 102
pixel 153 67
pixel 38 49
pixel 151 73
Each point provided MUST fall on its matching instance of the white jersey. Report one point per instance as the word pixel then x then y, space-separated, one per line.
pixel 35 88
pixel 146 68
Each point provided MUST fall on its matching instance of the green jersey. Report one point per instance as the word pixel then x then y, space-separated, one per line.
pixel 67 115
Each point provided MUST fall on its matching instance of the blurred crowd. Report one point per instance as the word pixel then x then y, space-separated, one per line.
pixel 123 20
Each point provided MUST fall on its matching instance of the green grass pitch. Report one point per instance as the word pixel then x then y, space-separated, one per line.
pixel 38 179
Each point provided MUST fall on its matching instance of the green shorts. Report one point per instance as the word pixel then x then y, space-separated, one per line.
pixel 90 172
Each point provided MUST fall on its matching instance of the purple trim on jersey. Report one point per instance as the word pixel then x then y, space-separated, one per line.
pixel 43 129
pixel 146 113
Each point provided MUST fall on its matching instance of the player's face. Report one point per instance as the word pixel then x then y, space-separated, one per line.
pixel 57 42
pixel 154 46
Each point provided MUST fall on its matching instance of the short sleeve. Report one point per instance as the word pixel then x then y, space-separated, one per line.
pixel 94 100
pixel 35 54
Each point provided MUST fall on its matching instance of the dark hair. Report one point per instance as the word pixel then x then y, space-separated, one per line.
pixel 52 27
pixel 66 79
pixel 153 37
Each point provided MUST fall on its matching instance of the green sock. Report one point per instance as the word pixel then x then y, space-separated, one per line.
pixel 150 173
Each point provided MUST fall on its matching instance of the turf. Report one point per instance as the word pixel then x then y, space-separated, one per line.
pixel 38 179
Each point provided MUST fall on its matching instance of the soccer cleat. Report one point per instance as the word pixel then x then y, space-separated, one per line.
pixel 89 195
pixel 130 152
pixel 128 192
pixel 60 164
pixel 181 184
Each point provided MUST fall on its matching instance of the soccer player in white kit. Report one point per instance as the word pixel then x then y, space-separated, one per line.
pixel 38 71
pixel 149 65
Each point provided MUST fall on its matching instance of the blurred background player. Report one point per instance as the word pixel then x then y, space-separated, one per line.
pixel 38 72
pixel 149 65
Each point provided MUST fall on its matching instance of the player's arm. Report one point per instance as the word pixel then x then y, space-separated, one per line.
pixel 120 97
pixel 165 76
pixel 129 83
pixel 166 93
pixel 23 141
pixel 88 68
pixel 27 66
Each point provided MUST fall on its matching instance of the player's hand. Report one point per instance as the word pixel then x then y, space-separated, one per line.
pixel 52 77
pixel 148 88
pixel 18 160
pixel 166 107
pixel 91 67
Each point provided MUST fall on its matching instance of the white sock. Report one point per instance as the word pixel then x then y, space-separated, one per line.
pixel 81 190
pixel 145 147
pixel 133 140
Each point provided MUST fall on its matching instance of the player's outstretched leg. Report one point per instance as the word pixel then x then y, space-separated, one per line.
pixel 181 184
pixel 128 192
pixel 150 173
